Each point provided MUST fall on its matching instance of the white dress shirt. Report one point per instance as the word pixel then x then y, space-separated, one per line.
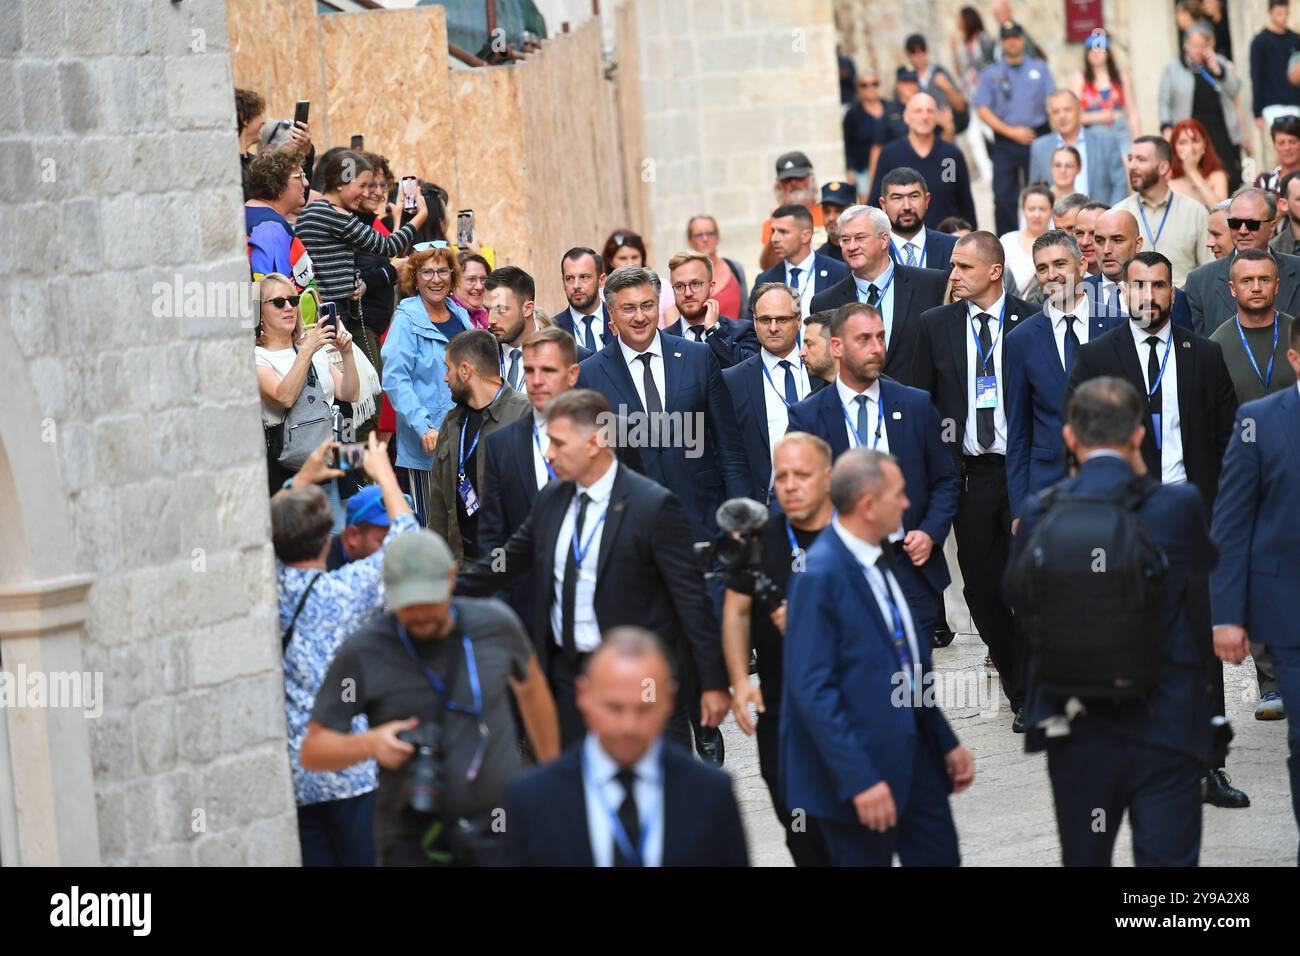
pixel 541 443
pixel 597 326
pixel 867 555
pixel 1081 327
pixel 507 353
pixel 886 305
pixel 876 424
pixel 1171 430
pixel 604 795
pixel 637 369
pixel 586 629
pixel 917 243
pixel 1111 287
pixel 971 442
pixel 778 418
pixel 806 284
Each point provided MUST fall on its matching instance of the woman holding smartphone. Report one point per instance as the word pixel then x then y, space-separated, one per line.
pixel 283 355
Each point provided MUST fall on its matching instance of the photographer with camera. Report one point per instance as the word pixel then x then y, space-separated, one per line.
pixel 431 676
pixel 753 614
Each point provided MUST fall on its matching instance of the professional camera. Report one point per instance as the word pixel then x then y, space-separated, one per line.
pixel 422 784
pixel 739 549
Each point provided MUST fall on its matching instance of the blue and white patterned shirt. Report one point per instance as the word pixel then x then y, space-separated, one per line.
pixel 340 603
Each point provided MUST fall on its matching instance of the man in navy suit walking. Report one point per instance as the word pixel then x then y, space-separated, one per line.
pixel 803 270
pixel 624 796
pixel 1256 529
pixel 905 197
pixel 865 409
pixel 860 750
pixel 583 316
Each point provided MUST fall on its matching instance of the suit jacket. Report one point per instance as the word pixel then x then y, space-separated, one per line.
pixel 547 809
pixel 702 473
pixel 732 342
pixel 1255 522
pixel 565 320
pixel 646 572
pixel 1035 386
pixel 1107 175
pixel 916 440
pixel 1177 714
pixel 505 408
pixel 826 273
pixel 509 472
pixel 1207 400
pixel 1212 304
pixel 1180 313
pixel 942 337
pixel 938 251
pixel 746 382
pixel 915 291
pixel 842 730
pixel 583 354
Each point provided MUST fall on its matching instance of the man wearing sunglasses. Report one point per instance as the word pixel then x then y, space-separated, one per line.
pixel 1250 219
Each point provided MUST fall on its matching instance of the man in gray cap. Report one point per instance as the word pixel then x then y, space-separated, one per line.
pixel 795 185
pixel 430 675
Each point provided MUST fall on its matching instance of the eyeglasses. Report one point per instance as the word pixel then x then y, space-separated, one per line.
pixel 375 188
pixel 435 244
pixel 280 301
pixel 474 280
pixel 868 84
pixel 695 285
pixel 1251 224
pixel 775 319
pixel 443 273
pixel 648 307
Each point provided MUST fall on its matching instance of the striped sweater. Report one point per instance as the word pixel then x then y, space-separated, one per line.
pixel 332 236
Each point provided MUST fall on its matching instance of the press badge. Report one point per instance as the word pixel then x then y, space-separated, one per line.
pixel 467 497
pixel 986 391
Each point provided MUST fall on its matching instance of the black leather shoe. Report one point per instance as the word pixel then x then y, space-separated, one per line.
pixel 1018 725
pixel 942 636
pixel 1220 792
pixel 709 745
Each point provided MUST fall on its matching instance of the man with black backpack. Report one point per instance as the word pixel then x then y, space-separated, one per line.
pixel 1109 576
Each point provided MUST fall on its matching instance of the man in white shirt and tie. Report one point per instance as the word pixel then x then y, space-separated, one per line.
pixel 802 269
pixel 584 317
pixel 509 299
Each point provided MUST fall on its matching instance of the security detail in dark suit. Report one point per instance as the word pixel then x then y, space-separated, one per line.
pixel 805 271
pixel 731 339
pixel 584 316
pixel 905 199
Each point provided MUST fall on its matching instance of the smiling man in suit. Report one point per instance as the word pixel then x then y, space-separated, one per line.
pixel 732 340
pixel 624 796
pixel 961 361
pixel 607 547
pixel 803 270
pixel 898 293
pixel 1039 357
pixel 861 751
pixel 1102 175
pixel 1250 220
pixel 1188 413
pixel 764 388
pixel 905 197
pixel 583 316
pixel 864 409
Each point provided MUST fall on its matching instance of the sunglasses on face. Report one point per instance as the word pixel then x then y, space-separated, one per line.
pixel 1251 224
pixel 280 300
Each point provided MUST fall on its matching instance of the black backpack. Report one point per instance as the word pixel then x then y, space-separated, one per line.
pixel 1086 591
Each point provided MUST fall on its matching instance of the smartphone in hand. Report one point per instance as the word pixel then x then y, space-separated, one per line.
pixel 464 227
pixel 358 142
pixel 329 314
pixel 300 111
pixel 410 186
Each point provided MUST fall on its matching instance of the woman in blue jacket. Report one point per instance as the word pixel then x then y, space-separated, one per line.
pixel 414 360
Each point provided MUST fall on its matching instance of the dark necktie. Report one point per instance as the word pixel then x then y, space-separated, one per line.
pixel 591 334
pixel 1071 343
pixel 513 374
pixel 885 565
pixel 1153 373
pixel 1114 305
pixel 698 332
pixel 864 423
pixel 791 391
pixel 873 296
pixel 794 279
pixel 984 416
pixel 628 817
pixel 569 590
pixel 653 403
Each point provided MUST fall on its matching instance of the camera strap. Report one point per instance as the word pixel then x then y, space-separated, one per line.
pixel 287 636
pixel 444 694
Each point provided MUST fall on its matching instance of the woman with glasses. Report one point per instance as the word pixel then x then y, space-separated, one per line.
pixel 415 366
pixel 1065 165
pixel 729 288
pixel 474 271
pixel 285 352
pixel 278 188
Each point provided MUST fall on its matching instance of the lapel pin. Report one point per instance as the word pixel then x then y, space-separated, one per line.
pixel 898 416
pixel 823 273
pixel 1187 344
pixel 677 355
pixel 617 507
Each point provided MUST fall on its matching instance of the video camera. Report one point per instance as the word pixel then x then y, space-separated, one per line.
pixel 738 549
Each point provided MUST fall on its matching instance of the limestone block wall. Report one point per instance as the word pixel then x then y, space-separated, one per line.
pixel 121 179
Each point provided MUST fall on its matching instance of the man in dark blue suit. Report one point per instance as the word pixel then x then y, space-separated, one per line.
pixel 805 271
pixel 584 316
pixel 672 394
pixel 1253 589
pixel 732 340
pixel 1145 756
pixel 905 197
pixel 765 387
pixel 1040 352
pixel 864 409
pixel 624 796
pixel 861 750
pixel 1116 239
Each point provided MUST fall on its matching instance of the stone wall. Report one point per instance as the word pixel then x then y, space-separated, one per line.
pixel 122 179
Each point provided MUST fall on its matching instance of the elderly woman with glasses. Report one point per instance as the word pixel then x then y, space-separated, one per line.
pixel 414 354
pixel 728 274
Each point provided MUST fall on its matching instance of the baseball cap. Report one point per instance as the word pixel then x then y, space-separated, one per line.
pixel 794 165
pixel 839 193
pixel 367 507
pixel 905 74
pixel 417 569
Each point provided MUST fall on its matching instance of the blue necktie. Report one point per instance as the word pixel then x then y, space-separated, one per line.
pixel 794 279
pixel 591 336
pixel 910 251
pixel 791 393
pixel 864 426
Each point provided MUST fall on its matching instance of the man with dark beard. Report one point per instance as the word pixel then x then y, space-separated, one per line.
pixel 584 317
pixel 905 198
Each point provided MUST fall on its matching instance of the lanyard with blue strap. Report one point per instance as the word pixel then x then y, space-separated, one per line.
pixel 853 427
pixel 880 292
pixel 898 257
pixel 581 550
pixel 768 376
pixel 1156 415
pixel 463 455
pixel 635 855
pixel 538 442
pixel 475 689
pixel 799 289
pixel 1208 77
pixel 993 345
pixel 1267 377
pixel 1169 204
pixel 900 630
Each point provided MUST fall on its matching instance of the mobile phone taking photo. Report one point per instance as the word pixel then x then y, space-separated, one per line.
pixel 349 456
pixel 464 227
pixel 410 186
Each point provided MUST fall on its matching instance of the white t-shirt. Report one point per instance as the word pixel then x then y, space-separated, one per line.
pixel 282 360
